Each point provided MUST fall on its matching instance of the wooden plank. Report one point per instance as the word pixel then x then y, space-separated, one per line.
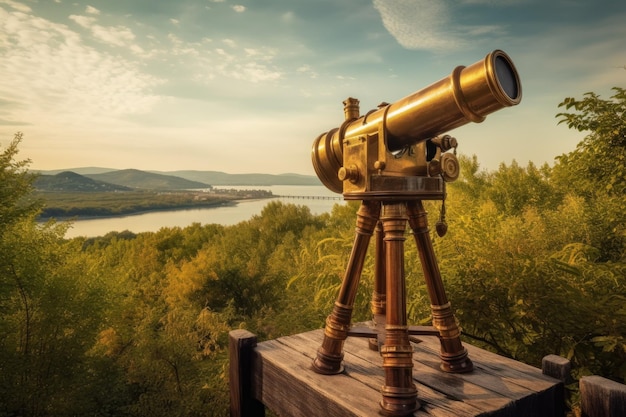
pixel 494 363
pixel 437 398
pixel 241 344
pixel 499 387
pixel 601 397
pixel 530 391
pixel 286 384
pixel 365 365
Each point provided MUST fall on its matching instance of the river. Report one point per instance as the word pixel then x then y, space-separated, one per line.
pixel 228 215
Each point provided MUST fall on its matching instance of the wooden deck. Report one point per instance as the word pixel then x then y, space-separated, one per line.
pixel 277 374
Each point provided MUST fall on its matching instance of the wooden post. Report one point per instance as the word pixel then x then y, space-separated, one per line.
pixel 557 367
pixel 241 345
pixel 601 397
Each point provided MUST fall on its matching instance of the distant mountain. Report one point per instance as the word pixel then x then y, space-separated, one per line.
pixel 139 179
pixel 81 171
pixel 67 181
pixel 135 178
pixel 222 178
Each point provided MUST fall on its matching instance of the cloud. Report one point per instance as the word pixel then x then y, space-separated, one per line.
pixel 229 60
pixel 255 72
pixel 428 25
pixel 61 80
pixel 92 10
pixel 17 6
pixel 250 65
pixel 84 21
pixel 417 24
pixel 229 42
pixel 120 36
pixel 222 52
pixel 306 70
pixel 113 35
pixel 239 8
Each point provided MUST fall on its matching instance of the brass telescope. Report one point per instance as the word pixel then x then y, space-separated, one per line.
pixel 391 159
pixel 468 94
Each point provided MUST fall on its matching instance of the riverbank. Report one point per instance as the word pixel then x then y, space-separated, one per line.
pixel 72 206
pixel 82 217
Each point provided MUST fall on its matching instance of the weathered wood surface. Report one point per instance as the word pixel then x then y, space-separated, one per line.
pixel 241 344
pixel 557 367
pixel 601 397
pixel 498 387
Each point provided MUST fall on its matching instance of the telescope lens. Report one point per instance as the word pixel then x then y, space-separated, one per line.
pixel 506 77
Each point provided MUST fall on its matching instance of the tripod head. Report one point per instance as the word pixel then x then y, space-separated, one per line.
pixel 394 150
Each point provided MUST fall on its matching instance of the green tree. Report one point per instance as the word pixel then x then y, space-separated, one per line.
pixel 17 185
pixel 48 317
pixel 596 168
pixel 514 188
pixel 597 165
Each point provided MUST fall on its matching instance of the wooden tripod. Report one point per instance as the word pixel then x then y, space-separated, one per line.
pixel 389 216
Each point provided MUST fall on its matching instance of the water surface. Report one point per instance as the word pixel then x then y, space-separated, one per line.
pixel 224 215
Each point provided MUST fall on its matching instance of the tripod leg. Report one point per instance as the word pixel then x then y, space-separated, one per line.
pixel 330 354
pixel 453 355
pixel 399 392
pixel 379 296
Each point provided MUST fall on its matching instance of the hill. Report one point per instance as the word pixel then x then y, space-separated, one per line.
pixel 135 178
pixel 204 177
pixel 223 178
pixel 67 181
pixel 81 171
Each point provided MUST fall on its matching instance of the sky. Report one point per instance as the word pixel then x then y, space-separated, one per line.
pixel 245 86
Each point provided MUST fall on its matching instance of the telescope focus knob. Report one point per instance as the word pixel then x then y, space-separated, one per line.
pixel 445 142
pixel 350 173
pixel 450 168
pixel 447 166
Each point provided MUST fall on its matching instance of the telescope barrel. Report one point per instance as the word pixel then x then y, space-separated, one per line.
pixel 468 94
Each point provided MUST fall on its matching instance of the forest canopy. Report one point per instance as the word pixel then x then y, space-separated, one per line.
pixel 127 324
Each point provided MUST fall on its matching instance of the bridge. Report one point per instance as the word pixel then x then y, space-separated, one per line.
pixel 310 197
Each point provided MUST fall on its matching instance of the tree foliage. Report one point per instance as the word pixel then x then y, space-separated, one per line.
pixel 597 165
pixel 17 186
pixel 48 303
pixel 596 169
